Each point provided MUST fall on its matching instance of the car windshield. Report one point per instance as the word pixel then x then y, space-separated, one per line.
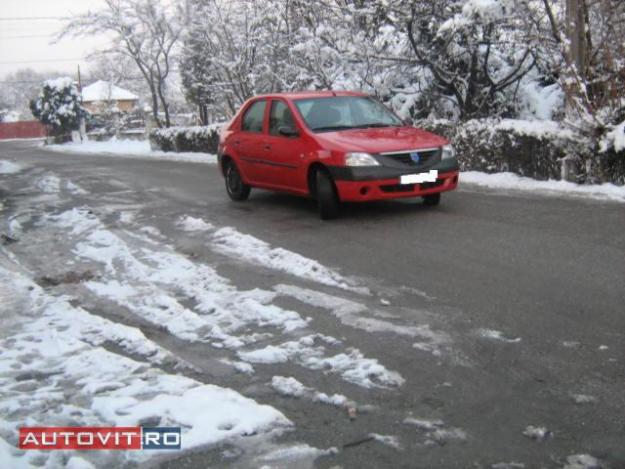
pixel 345 112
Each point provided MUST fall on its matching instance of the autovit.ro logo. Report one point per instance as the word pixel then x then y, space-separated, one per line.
pixel 94 438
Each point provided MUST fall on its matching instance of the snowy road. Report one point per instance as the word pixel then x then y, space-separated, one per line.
pixel 488 332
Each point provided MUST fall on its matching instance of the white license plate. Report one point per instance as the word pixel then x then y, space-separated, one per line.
pixel 430 176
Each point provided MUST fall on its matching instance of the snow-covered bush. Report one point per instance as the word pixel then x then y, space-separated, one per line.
pixel 59 105
pixel 537 149
pixel 203 139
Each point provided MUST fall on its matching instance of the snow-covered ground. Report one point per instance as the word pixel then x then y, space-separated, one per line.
pixel 62 363
pixel 511 181
pixel 130 148
pixel 500 181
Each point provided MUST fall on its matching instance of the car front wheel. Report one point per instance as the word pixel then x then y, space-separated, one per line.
pixel 327 198
pixel 236 188
pixel 432 199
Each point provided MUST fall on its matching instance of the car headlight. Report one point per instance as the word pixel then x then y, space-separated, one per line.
pixel 448 152
pixel 360 159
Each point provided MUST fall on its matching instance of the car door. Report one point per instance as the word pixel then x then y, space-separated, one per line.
pixel 283 149
pixel 251 142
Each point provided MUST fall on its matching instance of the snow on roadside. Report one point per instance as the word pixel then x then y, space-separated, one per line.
pixel 146 281
pixel 50 184
pixel 290 387
pixel 231 242
pixel 351 313
pixel 58 348
pixel 505 181
pixel 436 431
pixel 189 223
pixel 582 461
pixel 8 167
pixel 493 334
pixel 129 149
pixel 309 352
pixel 511 181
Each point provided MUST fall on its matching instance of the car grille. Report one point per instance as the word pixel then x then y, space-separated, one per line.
pixel 398 188
pixel 432 185
pixel 425 157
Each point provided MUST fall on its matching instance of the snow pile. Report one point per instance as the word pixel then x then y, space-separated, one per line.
pixel 537 433
pixel 582 461
pixel 130 148
pixel 388 440
pixel 510 181
pixel 290 455
pixel 497 335
pixel 8 167
pixel 309 352
pixel 353 314
pixel 189 223
pixel 436 432
pixel 247 248
pixel 146 281
pixel 63 346
pixel 290 387
pixel 50 184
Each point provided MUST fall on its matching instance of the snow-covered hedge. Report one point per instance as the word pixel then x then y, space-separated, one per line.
pixel 186 139
pixel 536 149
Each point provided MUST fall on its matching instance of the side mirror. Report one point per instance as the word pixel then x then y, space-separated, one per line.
pixel 288 131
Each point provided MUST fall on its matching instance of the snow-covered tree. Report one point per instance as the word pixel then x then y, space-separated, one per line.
pixel 234 50
pixel 59 105
pixel 146 31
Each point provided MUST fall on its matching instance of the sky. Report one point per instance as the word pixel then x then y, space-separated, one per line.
pixel 28 26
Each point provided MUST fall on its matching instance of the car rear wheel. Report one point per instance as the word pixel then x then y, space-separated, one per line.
pixel 432 199
pixel 236 188
pixel 327 198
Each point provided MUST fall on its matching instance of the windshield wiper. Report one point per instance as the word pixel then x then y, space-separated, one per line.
pixel 374 125
pixel 332 127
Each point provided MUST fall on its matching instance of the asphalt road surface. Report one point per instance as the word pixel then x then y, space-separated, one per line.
pixel 525 292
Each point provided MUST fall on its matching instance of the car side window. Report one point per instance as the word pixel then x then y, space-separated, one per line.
pixel 280 116
pixel 253 118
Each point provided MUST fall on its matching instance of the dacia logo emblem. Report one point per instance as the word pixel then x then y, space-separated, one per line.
pixel 414 156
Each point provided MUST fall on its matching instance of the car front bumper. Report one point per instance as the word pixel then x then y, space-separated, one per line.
pixel 380 183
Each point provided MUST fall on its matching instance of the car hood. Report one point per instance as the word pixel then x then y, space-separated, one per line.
pixel 381 140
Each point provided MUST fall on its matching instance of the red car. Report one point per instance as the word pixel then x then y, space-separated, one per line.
pixel 334 146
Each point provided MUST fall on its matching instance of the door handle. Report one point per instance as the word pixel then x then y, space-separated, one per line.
pixel 267 147
pixel 236 142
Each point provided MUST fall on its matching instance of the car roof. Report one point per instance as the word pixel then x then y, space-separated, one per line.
pixel 311 94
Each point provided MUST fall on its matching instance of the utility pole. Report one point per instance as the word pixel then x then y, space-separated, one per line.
pixel 83 126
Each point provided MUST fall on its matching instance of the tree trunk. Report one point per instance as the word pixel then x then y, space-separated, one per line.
pixel 576 25
pixel 577 55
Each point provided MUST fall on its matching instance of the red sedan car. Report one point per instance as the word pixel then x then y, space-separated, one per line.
pixel 334 146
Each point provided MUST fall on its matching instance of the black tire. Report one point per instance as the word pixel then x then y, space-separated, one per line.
pixel 327 198
pixel 432 199
pixel 236 188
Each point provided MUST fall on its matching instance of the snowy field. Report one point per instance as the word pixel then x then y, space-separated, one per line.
pixel 499 181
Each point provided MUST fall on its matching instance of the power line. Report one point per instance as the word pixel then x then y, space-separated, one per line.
pixel 33 18
pixel 17 62
pixel 27 36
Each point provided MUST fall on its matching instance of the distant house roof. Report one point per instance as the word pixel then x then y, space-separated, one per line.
pixel 105 91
